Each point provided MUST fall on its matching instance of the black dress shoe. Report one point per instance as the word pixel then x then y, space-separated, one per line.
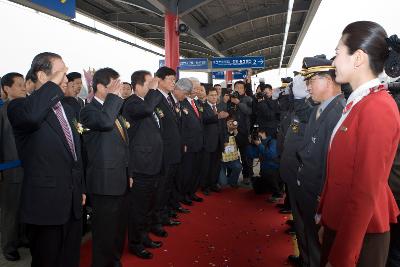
pixel 159 232
pixel 183 210
pixel 280 206
pixel 187 201
pixel 206 192
pixel 153 244
pixel 290 222
pixel 173 214
pixel 12 256
pixel 172 223
pixel 143 254
pixel 290 231
pixel 196 198
pixel 285 211
pixel 295 260
pixel 216 188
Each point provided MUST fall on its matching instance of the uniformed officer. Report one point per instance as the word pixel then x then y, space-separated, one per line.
pixel 300 110
pixel 319 75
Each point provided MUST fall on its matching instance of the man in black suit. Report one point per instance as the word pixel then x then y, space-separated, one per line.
pixel 168 195
pixel 213 144
pixel 11 172
pixel 49 148
pixel 145 163
pixel 74 87
pixel 106 142
pixel 192 143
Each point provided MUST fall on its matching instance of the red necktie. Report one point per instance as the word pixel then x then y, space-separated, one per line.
pixel 195 108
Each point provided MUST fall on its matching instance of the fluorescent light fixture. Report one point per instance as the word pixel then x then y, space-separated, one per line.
pixel 287 26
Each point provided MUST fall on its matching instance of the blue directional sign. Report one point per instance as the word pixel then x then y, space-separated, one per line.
pixel 238 63
pixel 239 75
pixel 64 7
pixel 218 75
pixel 190 64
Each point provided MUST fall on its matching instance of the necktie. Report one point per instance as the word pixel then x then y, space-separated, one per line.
pixel 319 111
pixel 171 101
pixel 195 109
pixel 121 131
pixel 214 109
pixel 66 128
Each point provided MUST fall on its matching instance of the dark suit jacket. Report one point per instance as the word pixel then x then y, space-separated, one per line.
pixel 73 103
pixel 314 148
pixel 52 184
pixel 146 145
pixel 107 151
pixel 8 149
pixel 211 129
pixel 171 123
pixel 192 127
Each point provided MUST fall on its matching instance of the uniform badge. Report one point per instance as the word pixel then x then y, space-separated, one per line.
pixel 295 127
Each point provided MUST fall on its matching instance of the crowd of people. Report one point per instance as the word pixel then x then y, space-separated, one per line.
pixel 133 155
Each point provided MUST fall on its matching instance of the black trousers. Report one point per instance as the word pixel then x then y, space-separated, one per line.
pixel 374 250
pixel 109 224
pixel 306 207
pixel 167 195
pixel 11 229
pixel 394 251
pixel 211 165
pixel 142 208
pixel 55 245
pixel 190 173
pixel 273 180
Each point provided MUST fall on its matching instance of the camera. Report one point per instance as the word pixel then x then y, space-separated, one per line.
pixel 394 87
pixel 234 94
pixel 255 133
pixel 260 95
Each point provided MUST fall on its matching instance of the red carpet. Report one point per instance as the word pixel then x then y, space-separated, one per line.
pixel 235 228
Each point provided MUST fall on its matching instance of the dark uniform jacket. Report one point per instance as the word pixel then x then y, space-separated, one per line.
pixel 8 149
pixel 294 137
pixel 145 141
pixel 107 149
pixel 267 114
pixel 312 153
pixel 52 187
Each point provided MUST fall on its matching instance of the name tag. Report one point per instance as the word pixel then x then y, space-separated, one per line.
pixel 229 149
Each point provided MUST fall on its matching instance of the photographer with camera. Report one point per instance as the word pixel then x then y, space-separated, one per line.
pixel 267 110
pixel 241 108
pixel 265 148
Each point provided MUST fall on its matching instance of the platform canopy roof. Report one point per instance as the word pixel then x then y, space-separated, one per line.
pixel 217 27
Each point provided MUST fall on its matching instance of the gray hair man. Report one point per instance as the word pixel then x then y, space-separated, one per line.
pixel 183 88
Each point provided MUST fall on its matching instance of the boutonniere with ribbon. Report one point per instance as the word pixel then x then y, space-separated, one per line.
pixel 185 110
pixel 79 127
pixel 177 110
pixel 160 113
pixel 126 123
pixel 200 109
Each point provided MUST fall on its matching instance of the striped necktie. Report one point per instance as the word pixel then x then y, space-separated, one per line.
pixel 66 128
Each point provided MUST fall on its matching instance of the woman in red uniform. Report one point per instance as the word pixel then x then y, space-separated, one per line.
pixel 357 204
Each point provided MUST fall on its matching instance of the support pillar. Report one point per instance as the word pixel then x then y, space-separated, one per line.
pixel 228 77
pixel 171 37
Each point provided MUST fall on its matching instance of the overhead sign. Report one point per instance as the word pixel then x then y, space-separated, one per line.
pixel 63 7
pixel 239 75
pixel 238 63
pixel 190 64
pixel 218 75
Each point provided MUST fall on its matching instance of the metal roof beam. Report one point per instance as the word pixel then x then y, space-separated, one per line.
pixel 142 4
pixel 187 6
pixel 225 23
pixel 268 46
pixel 252 37
pixel 136 18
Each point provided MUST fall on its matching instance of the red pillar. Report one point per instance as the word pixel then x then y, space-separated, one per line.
pixel 228 77
pixel 171 41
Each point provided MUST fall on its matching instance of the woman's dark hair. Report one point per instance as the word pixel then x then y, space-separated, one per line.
pixel 103 76
pixel 370 37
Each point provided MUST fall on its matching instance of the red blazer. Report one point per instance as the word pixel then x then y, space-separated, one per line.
pixel 357 199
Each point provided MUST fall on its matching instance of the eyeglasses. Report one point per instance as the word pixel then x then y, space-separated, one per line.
pixel 313 79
